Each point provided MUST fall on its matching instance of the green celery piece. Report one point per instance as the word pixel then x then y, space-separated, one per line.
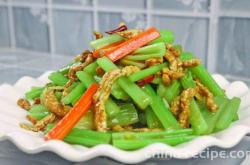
pixel 161 89
pixel 38 111
pixel 236 117
pixel 212 117
pixel 197 121
pixel 202 74
pixel 107 66
pixel 134 91
pixel 87 138
pixel 34 93
pixel 146 72
pixel 65 69
pixel 129 135
pixel 111 108
pixel 87 81
pixel 228 115
pixel 161 111
pixel 137 144
pixel 152 120
pixel 87 121
pixel 187 81
pixel 144 56
pixel 58 78
pixel 167 36
pixel 84 137
pixel 38 108
pixel 142 118
pixel 107 40
pixel 118 92
pixel 74 101
pixel 172 91
pixel 85 78
pixel 135 63
pixel 126 116
pixel 75 93
pixel 141 99
pixel 151 49
pixel 91 68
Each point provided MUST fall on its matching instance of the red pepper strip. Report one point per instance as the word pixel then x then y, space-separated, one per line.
pixel 119 29
pixel 64 126
pixel 132 44
pixel 146 80
pixel 96 53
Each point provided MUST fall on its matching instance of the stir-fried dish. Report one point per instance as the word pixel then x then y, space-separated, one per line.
pixel 136 87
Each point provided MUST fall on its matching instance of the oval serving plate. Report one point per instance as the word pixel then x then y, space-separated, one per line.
pixel 11 115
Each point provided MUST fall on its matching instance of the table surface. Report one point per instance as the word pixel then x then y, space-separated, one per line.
pixel 15 65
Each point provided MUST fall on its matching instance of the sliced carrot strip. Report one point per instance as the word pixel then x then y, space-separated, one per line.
pixel 132 44
pixel 63 127
pixel 96 53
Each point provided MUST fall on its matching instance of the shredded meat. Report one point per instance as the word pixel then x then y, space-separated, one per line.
pixel 40 125
pixel 175 52
pixel 185 99
pixel 87 58
pixel 104 91
pixel 129 33
pixel 189 63
pixel 208 95
pixel 31 119
pixel 66 87
pixel 168 75
pixel 53 105
pixel 153 61
pixel 175 69
pixel 175 106
pixel 23 103
pixel 37 101
pixel 99 71
pixel 98 35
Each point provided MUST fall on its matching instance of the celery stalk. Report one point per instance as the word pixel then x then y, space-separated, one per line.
pixel 126 116
pixel 203 75
pixel 91 68
pixel 58 78
pixel 167 36
pixel 107 40
pixel 146 72
pixel 172 91
pixel 136 144
pixel 161 111
pixel 152 120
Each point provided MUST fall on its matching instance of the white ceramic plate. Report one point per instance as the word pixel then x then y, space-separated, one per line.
pixel 11 115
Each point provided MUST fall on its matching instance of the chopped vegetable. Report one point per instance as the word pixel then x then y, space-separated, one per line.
pixel 63 127
pixel 126 116
pixel 228 115
pixel 102 42
pixel 75 93
pixel 167 36
pixel 58 78
pixel 132 44
pixel 161 111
